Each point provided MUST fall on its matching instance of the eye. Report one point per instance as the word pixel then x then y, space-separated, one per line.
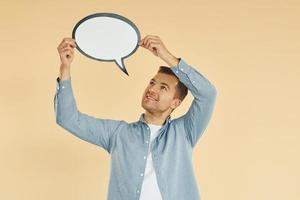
pixel 151 82
pixel 163 88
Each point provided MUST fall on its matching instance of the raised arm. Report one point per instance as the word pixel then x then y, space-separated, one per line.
pixel 100 132
pixel 198 116
pixel 196 119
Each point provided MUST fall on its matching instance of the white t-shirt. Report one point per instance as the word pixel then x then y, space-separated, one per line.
pixel 150 190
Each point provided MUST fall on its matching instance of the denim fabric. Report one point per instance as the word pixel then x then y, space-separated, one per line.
pixel 127 143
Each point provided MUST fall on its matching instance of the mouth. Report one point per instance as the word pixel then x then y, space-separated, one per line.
pixel 150 98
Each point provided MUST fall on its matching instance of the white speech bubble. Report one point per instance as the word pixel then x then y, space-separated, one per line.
pixel 107 37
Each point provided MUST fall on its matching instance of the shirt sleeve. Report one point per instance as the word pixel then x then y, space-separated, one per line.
pixel 91 129
pixel 204 92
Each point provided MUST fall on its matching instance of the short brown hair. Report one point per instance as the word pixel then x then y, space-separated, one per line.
pixel 181 89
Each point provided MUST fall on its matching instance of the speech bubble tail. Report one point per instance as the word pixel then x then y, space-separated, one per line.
pixel 121 65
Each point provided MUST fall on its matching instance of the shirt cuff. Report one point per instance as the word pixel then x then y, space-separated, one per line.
pixel 183 71
pixel 181 67
pixel 63 84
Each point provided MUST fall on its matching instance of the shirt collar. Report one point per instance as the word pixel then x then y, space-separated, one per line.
pixel 167 121
pixel 163 129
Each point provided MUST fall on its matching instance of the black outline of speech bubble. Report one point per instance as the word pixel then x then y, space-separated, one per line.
pixel 113 15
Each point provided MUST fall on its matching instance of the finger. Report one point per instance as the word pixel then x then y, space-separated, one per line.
pixel 149 48
pixel 71 43
pixel 153 46
pixel 65 48
pixel 65 42
pixel 69 39
pixel 145 39
pixel 149 41
pixel 145 44
pixel 142 42
pixel 150 37
pixel 66 45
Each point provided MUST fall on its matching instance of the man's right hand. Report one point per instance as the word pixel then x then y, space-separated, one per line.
pixel 66 52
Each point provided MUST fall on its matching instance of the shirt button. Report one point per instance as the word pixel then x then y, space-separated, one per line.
pixel 147 141
pixel 181 69
pixel 142 174
pixel 138 191
pixel 177 71
pixel 193 81
pixel 147 128
pixel 63 87
pixel 145 157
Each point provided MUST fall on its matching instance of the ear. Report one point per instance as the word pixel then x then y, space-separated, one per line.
pixel 176 102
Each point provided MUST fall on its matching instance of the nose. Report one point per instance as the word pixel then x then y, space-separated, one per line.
pixel 153 89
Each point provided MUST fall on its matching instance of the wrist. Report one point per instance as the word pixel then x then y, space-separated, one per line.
pixel 64 72
pixel 171 60
pixel 64 67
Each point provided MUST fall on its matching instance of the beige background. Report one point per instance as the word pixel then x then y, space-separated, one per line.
pixel 248 49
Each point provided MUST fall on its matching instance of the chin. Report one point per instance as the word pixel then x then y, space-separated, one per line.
pixel 147 108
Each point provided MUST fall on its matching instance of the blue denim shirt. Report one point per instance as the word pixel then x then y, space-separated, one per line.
pixel 127 143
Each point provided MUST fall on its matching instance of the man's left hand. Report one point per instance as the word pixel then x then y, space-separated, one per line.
pixel 154 44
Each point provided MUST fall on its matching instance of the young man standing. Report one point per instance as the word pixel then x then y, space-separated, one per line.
pixel 152 157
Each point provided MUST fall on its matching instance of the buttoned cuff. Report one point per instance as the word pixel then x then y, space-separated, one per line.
pixel 183 71
pixel 196 82
pixel 63 84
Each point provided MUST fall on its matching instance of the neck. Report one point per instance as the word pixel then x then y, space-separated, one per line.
pixel 155 119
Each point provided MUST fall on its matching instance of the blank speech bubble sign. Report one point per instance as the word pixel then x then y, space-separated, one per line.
pixel 107 37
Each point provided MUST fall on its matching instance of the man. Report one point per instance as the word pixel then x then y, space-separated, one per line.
pixel 152 157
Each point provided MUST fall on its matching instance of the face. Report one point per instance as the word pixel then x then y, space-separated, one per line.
pixel 159 96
